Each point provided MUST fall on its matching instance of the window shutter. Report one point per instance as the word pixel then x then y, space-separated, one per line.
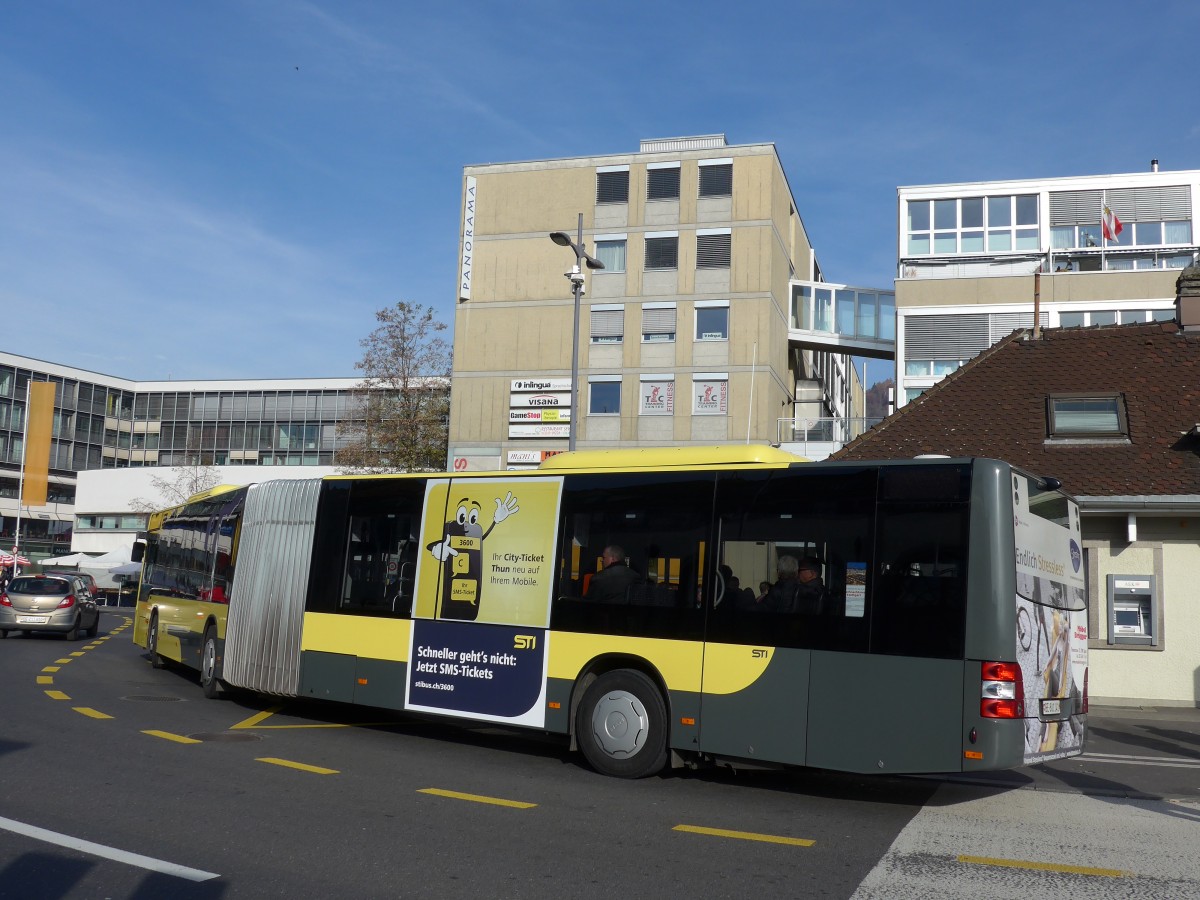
pixel 607 323
pixel 946 336
pixel 662 253
pixel 612 187
pixel 658 321
pixel 712 251
pixel 662 184
pixel 716 181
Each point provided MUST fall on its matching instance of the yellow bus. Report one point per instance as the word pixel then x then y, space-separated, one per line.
pixel 730 605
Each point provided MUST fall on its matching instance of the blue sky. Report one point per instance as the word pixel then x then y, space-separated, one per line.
pixel 231 189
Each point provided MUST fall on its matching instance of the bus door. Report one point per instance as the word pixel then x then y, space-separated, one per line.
pixel 894 704
pixel 754 701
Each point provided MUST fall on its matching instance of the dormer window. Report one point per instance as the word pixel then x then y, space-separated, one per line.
pixel 1087 416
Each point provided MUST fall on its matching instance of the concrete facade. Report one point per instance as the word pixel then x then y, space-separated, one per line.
pixel 515 314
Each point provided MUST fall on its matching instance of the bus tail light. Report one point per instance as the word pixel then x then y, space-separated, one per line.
pixel 67 602
pixel 1085 691
pixel 1001 691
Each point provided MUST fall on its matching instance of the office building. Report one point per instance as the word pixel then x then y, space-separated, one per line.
pixel 107 422
pixel 703 327
pixel 975 258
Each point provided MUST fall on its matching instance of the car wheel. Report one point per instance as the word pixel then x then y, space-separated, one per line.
pixel 91 632
pixel 156 661
pixel 3 633
pixel 621 725
pixel 209 682
pixel 73 634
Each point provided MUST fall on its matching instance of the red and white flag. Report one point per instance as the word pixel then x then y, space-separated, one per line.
pixel 1110 225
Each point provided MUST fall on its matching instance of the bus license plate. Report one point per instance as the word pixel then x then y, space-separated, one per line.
pixel 1051 707
pixel 32 620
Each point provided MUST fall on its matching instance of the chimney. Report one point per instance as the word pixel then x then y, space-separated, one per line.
pixel 1187 299
pixel 1154 165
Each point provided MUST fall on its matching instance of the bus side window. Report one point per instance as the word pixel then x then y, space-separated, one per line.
pixel 370 545
pixel 659 523
pixel 920 606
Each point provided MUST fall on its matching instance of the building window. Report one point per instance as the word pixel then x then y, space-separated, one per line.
pixel 656 395
pixel 610 250
pixel 710 394
pixel 604 395
pixel 1086 415
pixel 716 179
pixel 608 323
pixel 712 320
pixel 662 182
pixel 662 252
pixel 612 186
pixel 969 225
pixel 713 248
pixel 658 323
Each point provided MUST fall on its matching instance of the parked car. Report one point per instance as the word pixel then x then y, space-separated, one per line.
pixel 53 603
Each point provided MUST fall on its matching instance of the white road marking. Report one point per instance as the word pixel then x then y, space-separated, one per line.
pixel 101 850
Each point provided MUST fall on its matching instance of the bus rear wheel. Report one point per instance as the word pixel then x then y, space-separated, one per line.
pixel 621 725
pixel 156 661
pixel 209 682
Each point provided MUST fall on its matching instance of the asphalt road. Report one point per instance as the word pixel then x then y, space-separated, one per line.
pixel 121 781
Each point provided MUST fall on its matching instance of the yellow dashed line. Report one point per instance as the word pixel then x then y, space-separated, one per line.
pixel 178 738
pixel 476 798
pixel 1043 867
pixel 57 695
pixel 45 679
pixel 746 835
pixel 257 717
pixel 317 770
pixel 63 661
pixel 77 653
pixel 90 646
pixel 91 713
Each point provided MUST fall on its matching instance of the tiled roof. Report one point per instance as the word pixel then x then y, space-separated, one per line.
pixel 996 406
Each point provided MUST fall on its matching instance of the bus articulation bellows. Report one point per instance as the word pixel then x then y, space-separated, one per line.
pixel 947 631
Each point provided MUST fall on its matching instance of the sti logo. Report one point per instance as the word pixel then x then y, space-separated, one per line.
pixel 1076 556
pixel 759 654
pixel 524 641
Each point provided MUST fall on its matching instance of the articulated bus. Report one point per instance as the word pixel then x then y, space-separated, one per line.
pixel 948 634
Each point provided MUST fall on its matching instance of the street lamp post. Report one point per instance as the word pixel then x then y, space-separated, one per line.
pixel 576 278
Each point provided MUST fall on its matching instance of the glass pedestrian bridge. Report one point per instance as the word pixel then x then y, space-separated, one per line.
pixel 843 319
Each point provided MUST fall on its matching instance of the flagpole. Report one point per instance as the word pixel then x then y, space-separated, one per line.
pixel 1103 229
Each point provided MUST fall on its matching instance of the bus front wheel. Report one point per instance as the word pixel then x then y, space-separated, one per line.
pixel 208 665
pixel 156 661
pixel 621 725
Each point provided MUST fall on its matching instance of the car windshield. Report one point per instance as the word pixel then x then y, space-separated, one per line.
pixel 53 586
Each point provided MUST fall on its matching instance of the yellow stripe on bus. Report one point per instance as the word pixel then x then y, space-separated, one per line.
pixel 677 661
pixel 356 636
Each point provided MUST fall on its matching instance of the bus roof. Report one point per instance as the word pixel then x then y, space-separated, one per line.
pixel 673 457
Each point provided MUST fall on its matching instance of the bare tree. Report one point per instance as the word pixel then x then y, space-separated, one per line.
pixel 176 484
pixel 400 416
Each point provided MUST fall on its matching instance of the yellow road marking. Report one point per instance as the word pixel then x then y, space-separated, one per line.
pixel 51 668
pixel 63 661
pixel 57 695
pixel 746 835
pixel 45 679
pixel 90 646
pixel 77 653
pixel 92 713
pixel 1042 866
pixel 257 717
pixel 178 738
pixel 295 765
pixel 476 798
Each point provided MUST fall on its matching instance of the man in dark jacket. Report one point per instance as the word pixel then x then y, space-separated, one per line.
pixel 611 584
